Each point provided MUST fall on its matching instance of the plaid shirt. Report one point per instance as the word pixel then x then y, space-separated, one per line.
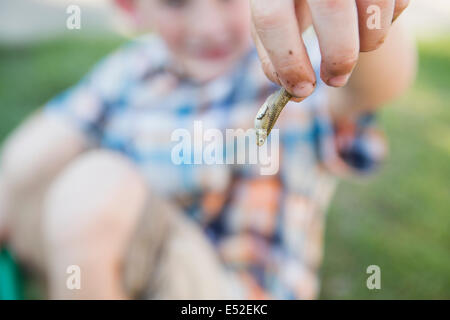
pixel 268 230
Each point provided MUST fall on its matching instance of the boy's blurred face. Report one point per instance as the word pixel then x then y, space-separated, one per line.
pixel 206 37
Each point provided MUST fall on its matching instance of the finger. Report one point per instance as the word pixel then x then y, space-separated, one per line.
pixel 277 27
pixel 303 15
pixel 266 64
pixel 400 6
pixel 375 19
pixel 336 25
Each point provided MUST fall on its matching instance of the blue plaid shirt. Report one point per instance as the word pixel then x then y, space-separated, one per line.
pixel 267 229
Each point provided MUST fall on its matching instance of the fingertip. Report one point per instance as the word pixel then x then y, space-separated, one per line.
pixel 295 99
pixel 269 71
pixel 371 46
pixel 336 72
pixel 299 82
pixel 302 89
pixel 338 81
pixel 272 75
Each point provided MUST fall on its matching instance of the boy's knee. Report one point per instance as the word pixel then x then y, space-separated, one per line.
pixel 23 161
pixel 94 203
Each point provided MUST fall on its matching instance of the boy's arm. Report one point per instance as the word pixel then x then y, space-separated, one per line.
pixel 32 155
pixel 37 148
pixel 379 76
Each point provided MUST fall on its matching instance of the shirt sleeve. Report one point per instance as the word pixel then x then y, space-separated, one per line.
pixel 361 144
pixel 351 146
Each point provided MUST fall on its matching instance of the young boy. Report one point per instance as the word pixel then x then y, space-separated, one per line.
pixel 88 185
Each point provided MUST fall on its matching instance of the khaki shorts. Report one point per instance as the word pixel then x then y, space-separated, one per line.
pixel 168 257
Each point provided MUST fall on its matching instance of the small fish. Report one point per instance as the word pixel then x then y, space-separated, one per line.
pixel 268 114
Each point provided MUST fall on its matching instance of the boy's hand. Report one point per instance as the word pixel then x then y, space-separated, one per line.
pixel 343 27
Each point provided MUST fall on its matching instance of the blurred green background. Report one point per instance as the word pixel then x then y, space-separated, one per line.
pixel 398 220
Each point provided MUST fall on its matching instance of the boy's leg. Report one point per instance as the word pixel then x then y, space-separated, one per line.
pixel 99 217
pixel 89 214
pixel 169 257
pixel 31 157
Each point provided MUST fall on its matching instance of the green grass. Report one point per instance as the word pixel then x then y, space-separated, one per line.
pixel 31 75
pixel 399 219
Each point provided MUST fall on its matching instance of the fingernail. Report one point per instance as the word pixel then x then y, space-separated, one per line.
pixel 295 99
pixel 303 89
pixel 339 81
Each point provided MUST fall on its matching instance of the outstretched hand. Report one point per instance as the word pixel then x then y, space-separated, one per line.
pixel 343 27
